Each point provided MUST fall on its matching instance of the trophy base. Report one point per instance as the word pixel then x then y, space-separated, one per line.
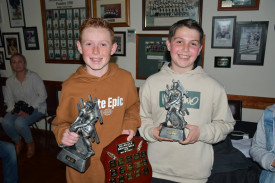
pixel 172 133
pixel 72 158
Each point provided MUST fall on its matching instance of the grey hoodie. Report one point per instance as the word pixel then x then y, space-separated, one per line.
pixel 208 109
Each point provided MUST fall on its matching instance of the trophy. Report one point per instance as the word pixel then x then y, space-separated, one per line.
pixel 78 155
pixel 173 127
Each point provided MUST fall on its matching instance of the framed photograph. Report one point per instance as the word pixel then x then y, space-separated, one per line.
pixel 250 43
pixel 16 13
pixel 11 44
pixel 116 12
pixel 120 39
pixel 61 21
pixel 223 62
pixel 238 5
pixel 31 38
pixel 152 53
pixel 160 15
pixel 223 32
pixel 1 39
pixel 2 61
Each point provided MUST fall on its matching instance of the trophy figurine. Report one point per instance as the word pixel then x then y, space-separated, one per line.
pixel 78 155
pixel 173 127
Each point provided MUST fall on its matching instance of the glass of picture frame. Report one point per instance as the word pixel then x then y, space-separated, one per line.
pixel 116 12
pixel 250 43
pixel 238 5
pixel 61 23
pixel 159 15
pixel 223 30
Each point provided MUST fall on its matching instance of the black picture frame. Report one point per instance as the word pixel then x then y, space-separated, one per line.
pixel 2 61
pixel 1 39
pixel 223 31
pixel 222 62
pixel 31 38
pixel 12 44
pixel 250 43
pixel 154 18
pixel 236 5
pixel 152 53
pixel 120 39
pixel 16 13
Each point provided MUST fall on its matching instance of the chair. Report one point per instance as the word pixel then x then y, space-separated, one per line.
pixel 236 109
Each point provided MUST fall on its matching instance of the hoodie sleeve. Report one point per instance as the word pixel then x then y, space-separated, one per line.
pixel 147 125
pixel 222 121
pixel 258 149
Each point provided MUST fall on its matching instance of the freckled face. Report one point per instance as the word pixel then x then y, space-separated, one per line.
pixel 96 48
pixel 184 49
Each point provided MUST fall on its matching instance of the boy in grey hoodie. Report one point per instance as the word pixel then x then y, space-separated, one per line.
pixel 209 119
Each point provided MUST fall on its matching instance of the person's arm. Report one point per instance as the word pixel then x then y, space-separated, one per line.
pixel 39 90
pixel 258 149
pixel 8 97
pixel 222 121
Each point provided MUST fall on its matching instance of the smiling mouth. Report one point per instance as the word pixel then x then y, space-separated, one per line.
pixel 96 59
pixel 184 56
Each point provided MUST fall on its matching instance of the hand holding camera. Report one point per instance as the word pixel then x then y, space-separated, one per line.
pixel 22 106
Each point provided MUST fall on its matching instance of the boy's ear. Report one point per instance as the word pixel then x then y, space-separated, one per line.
pixel 168 44
pixel 200 50
pixel 114 47
pixel 79 47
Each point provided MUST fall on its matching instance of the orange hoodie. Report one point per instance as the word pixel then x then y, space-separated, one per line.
pixel 119 105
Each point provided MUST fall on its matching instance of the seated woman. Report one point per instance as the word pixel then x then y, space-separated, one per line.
pixel 25 96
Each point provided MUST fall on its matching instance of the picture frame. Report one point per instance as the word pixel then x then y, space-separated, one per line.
pixel 250 43
pixel 1 39
pixel 222 62
pixel 2 61
pixel 61 21
pixel 120 39
pixel 223 31
pixel 152 53
pixel 11 44
pixel 238 5
pixel 116 12
pixel 16 13
pixel 31 38
pixel 162 18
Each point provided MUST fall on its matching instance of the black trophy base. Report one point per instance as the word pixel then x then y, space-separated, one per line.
pixel 72 158
pixel 172 133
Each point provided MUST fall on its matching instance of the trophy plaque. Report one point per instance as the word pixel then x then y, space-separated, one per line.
pixel 126 161
pixel 78 155
pixel 173 127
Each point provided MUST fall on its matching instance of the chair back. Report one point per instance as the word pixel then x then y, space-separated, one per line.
pixel 52 99
pixel 236 109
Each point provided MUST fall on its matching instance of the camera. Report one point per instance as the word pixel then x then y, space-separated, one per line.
pixel 21 105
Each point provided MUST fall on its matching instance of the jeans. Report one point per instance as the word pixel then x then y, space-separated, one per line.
pixel 16 126
pixel 9 161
